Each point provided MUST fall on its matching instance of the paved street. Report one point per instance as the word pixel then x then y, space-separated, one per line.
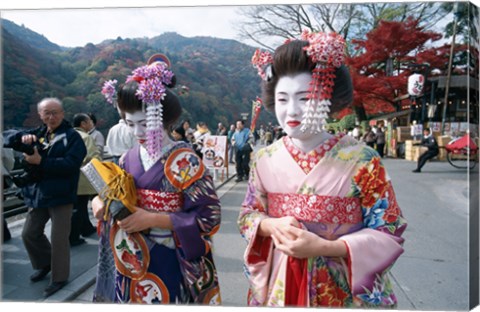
pixel 432 274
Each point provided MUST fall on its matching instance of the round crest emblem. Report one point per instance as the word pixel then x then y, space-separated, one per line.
pixel 130 252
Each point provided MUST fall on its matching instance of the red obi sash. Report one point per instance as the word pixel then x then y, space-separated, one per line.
pixel 315 208
pixel 157 201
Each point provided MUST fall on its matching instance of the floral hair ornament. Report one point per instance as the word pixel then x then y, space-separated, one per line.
pixel 263 61
pixel 327 51
pixel 109 92
pixel 152 80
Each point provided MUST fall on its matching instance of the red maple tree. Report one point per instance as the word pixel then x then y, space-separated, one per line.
pixel 403 43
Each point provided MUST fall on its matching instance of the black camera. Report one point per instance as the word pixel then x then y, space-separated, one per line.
pixel 22 147
pixel 31 172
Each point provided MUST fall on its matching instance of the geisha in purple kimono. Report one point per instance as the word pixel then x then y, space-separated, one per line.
pixel 161 253
pixel 322 225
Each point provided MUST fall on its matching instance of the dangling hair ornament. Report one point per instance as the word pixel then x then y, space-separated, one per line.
pixel 263 61
pixel 327 52
pixel 152 80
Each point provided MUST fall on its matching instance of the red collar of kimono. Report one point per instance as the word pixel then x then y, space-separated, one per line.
pixel 307 161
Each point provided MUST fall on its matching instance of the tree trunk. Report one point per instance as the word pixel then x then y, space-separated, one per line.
pixel 360 112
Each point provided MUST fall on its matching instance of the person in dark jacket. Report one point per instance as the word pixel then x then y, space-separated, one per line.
pixel 380 141
pixel 428 141
pixel 58 154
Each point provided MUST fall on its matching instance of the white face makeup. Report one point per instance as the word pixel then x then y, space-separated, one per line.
pixel 290 101
pixel 138 124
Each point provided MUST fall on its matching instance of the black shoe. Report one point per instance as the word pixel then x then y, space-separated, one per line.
pixel 40 274
pixel 53 287
pixel 89 232
pixel 239 179
pixel 77 242
pixel 416 170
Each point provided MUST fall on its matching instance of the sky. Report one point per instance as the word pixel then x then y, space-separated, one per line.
pixel 76 23
pixel 79 26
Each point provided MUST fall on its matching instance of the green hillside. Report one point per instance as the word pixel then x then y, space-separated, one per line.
pixel 217 73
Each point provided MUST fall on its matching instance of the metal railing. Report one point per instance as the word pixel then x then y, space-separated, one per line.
pixel 12 204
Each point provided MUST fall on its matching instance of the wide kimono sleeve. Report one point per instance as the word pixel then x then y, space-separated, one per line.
pixel 259 251
pixel 200 217
pixel 373 250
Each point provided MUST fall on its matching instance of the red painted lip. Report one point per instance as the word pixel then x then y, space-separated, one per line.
pixel 293 124
pixel 141 141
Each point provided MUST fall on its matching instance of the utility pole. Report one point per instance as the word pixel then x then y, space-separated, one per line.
pixel 449 69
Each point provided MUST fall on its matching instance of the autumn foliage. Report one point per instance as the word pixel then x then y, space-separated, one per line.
pixel 404 43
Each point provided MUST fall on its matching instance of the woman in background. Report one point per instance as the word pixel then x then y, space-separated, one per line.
pixel 178 134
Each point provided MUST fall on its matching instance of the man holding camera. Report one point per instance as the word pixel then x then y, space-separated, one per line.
pixel 58 152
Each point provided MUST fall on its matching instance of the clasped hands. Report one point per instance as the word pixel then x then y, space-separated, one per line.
pixel 294 241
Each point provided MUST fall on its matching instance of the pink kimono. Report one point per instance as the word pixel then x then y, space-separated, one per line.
pixel 338 191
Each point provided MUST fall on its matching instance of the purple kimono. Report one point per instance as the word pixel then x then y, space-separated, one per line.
pixel 160 265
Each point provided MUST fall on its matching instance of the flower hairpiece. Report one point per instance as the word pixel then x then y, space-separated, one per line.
pixel 152 80
pixel 324 48
pixel 263 62
pixel 327 52
pixel 109 92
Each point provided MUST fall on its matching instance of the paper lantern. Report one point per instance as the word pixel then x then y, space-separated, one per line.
pixel 415 84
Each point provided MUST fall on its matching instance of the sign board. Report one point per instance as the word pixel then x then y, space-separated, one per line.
pixel 416 131
pixel 435 126
pixel 215 151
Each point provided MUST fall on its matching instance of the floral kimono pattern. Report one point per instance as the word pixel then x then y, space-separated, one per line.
pixel 162 266
pixel 339 191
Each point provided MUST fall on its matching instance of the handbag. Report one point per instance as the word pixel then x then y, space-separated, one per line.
pixel 114 185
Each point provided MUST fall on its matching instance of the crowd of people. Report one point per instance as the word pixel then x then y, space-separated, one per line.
pixel 312 238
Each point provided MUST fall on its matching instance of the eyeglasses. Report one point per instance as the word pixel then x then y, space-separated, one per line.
pixel 51 113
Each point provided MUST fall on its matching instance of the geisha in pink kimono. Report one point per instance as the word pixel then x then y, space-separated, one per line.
pixel 322 225
pixel 162 252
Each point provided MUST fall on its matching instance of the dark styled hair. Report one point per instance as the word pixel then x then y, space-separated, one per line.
pixel 290 59
pixel 180 131
pixel 79 118
pixel 93 118
pixel 128 102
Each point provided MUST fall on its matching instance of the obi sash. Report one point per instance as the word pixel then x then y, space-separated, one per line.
pixel 157 201
pixel 309 208
pixel 315 208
